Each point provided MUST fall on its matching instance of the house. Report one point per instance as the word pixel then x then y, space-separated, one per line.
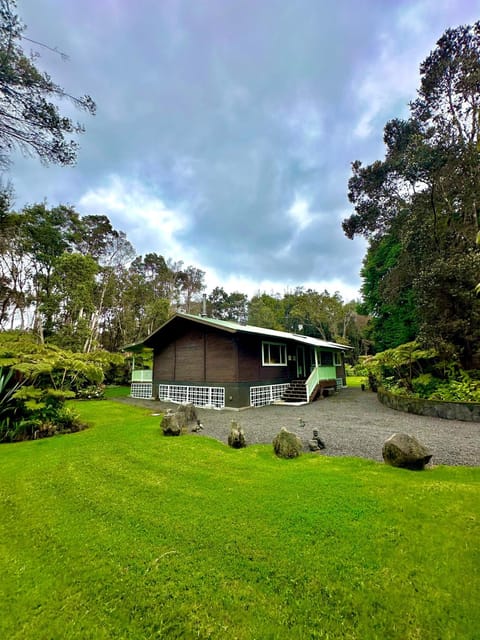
pixel 224 364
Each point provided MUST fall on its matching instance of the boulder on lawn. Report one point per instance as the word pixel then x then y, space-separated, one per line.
pixel 403 450
pixel 187 415
pixel 287 444
pixel 236 437
pixel 170 424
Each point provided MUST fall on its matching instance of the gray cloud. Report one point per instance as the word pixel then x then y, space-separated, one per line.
pixel 229 113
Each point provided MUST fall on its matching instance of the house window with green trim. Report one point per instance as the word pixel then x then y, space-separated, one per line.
pixel 338 358
pixel 326 359
pixel 274 354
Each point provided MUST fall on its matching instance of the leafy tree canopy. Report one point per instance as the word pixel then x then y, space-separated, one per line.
pixel 30 119
pixel 420 207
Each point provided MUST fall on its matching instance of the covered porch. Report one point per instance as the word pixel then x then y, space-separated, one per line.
pixel 314 371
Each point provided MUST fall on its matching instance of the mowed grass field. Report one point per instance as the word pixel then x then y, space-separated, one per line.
pixel 120 532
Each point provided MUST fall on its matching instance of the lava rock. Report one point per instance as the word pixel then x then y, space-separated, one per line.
pixel 287 444
pixel 170 424
pixel 236 437
pixel 405 451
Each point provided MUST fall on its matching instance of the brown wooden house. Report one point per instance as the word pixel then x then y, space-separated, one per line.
pixel 224 364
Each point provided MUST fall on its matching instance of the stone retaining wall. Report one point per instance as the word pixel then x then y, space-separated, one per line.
pixel 466 411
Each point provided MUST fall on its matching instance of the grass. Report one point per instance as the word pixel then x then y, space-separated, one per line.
pixel 119 532
pixel 116 391
pixel 356 381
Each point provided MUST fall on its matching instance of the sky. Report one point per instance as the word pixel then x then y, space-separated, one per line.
pixel 225 129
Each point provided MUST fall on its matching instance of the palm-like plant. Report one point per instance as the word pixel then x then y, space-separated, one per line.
pixel 8 406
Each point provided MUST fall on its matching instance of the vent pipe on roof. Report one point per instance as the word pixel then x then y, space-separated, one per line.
pixel 204 306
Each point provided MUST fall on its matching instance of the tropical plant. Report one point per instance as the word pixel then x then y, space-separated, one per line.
pixel 8 405
pixel 424 373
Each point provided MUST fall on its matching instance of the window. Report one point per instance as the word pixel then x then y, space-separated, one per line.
pixel 338 358
pixel 274 354
pixel 326 358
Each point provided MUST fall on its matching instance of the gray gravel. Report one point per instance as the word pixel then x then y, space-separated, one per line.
pixel 351 423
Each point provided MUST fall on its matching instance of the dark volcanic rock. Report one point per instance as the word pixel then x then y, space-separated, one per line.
pixel 236 438
pixel 403 450
pixel 287 444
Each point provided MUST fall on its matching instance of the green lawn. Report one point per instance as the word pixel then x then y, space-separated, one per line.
pixel 356 381
pixel 117 391
pixel 120 532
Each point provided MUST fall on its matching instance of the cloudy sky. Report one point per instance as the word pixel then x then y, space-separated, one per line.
pixel 225 129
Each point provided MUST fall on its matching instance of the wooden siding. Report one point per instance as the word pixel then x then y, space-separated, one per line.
pixel 221 358
pixel 190 356
pixel 197 355
pixel 164 363
pixel 250 367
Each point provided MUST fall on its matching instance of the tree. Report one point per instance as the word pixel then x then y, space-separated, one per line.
pixel 46 235
pixel 112 251
pixel 388 296
pixel 267 311
pixel 30 119
pixel 228 306
pixel 15 272
pixel 425 196
pixel 73 292
pixel 315 314
pixel 191 282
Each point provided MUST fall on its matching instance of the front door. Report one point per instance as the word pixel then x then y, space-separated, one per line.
pixel 301 371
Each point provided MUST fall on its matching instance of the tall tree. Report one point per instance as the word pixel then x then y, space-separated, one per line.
pixel 15 272
pixel 113 252
pixel 389 298
pixel 267 311
pixel 228 306
pixel 426 194
pixel 315 314
pixel 192 283
pixel 47 234
pixel 73 284
pixel 30 119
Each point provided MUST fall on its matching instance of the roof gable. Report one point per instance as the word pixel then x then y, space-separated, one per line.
pixel 233 327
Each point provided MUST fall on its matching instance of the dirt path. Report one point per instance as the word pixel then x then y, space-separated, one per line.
pixel 351 423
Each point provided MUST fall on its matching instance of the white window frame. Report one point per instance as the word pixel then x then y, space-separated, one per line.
pixel 283 354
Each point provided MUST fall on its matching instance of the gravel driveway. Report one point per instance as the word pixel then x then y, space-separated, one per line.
pixel 351 423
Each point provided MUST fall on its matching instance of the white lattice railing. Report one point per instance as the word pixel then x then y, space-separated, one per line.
pixel 260 396
pixel 199 396
pixel 141 390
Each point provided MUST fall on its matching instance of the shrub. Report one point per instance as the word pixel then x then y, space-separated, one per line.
pixel 425 384
pixel 68 421
pixel 464 390
pixel 94 392
pixel 37 379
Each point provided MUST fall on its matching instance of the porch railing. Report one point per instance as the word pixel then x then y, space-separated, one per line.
pixel 318 374
pixel 142 375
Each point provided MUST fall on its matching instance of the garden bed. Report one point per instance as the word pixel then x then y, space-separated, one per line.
pixel 464 411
